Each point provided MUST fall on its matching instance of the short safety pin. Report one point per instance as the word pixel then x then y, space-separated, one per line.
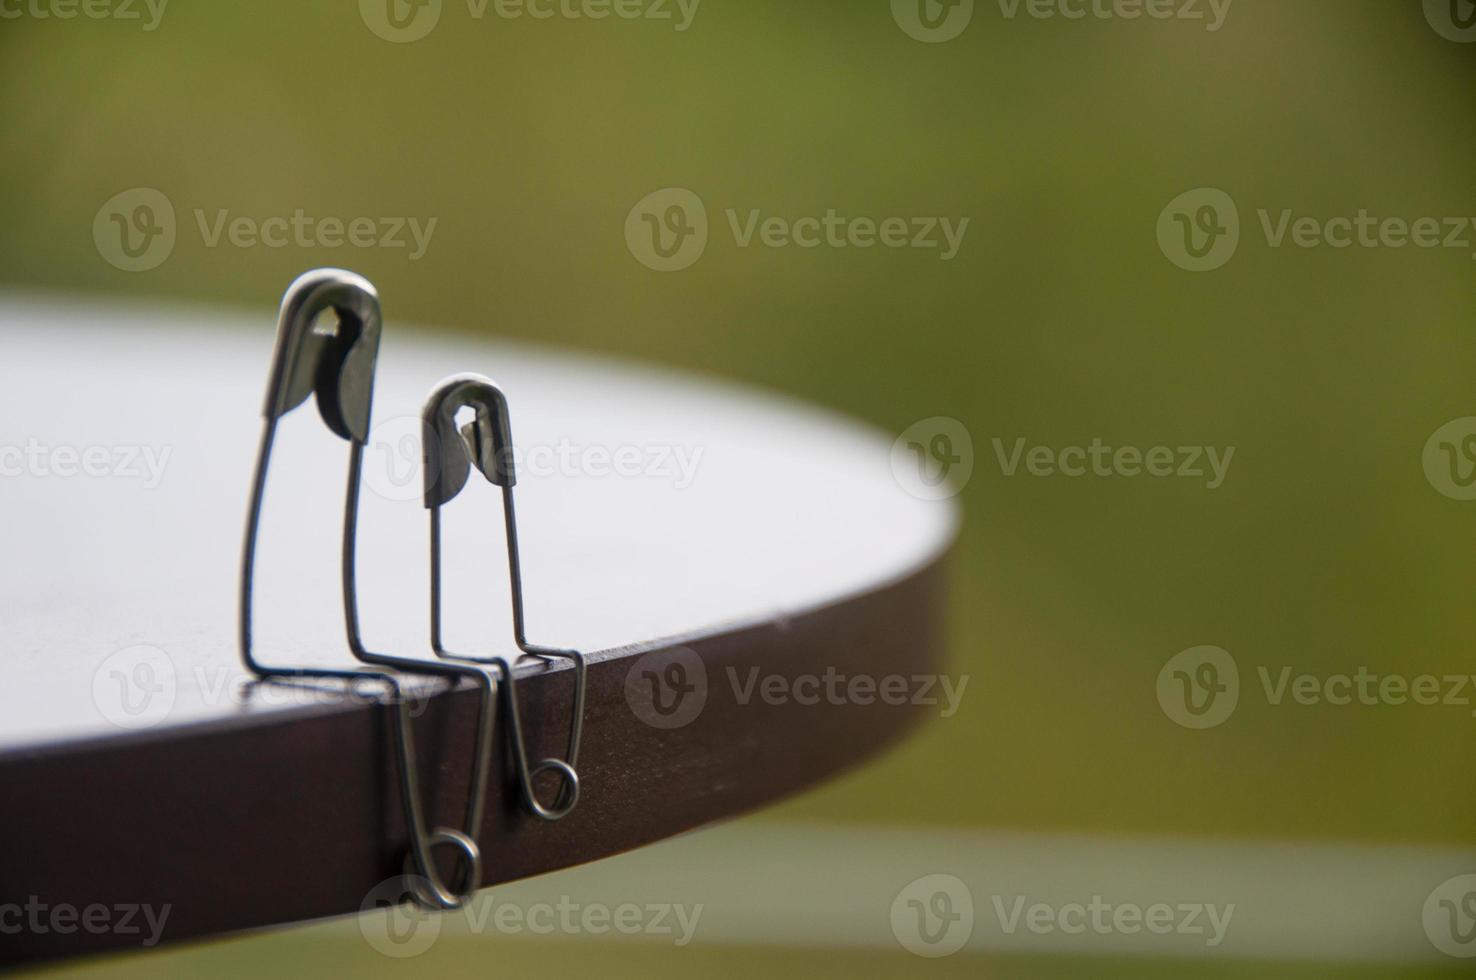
pixel 450 454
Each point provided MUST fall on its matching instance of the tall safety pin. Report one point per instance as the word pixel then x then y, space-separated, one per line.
pixel 337 364
pixel 450 454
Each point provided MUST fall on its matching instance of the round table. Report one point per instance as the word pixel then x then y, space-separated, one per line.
pixel 763 545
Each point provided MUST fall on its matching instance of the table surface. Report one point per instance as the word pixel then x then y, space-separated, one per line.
pixel 657 512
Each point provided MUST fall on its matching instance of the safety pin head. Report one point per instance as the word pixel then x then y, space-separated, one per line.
pixel 484 443
pixel 335 364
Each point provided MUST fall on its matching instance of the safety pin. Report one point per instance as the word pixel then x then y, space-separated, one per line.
pixel 450 453
pixel 337 365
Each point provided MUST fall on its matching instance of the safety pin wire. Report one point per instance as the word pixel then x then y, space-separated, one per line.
pixel 568 796
pixel 486 721
pixel 435 894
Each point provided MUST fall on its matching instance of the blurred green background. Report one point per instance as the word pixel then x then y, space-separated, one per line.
pixel 1060 321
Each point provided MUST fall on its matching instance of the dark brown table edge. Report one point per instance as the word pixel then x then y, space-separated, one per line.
pixel 262 820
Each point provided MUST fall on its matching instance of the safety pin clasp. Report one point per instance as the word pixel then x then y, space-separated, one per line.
pixel 483 443
pixel 336 364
